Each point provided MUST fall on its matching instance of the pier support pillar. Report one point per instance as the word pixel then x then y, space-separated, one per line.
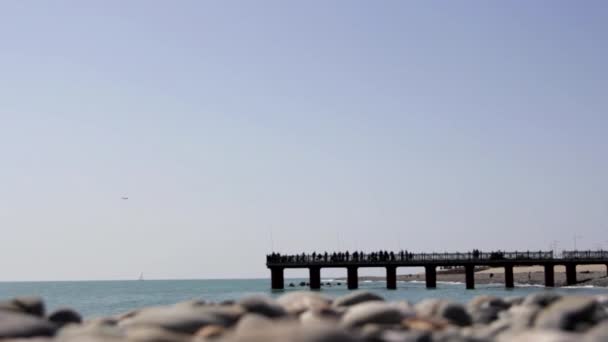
pixel 606 270
pixel 469 271
pixel 549 276
pixel 509 276
pixel 430 275
pixel 315 278
pixel 353 278
pixel 391 277
pixel 276 278
pixel 570 274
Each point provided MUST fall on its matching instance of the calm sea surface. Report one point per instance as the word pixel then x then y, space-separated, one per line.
pixel 99 298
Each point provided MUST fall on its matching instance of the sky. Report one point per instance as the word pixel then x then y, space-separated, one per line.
pixel 238 127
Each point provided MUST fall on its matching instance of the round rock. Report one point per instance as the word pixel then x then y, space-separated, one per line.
pixel 356 298
pixel 485 309
pixel 541 299
pixel 570 313
pixel 451 311
pixel 372 312
pixel 184 319
pixel 263 306
pixel 27 305
pixel 293 332
pixel 300 301
pixel 62 317
pixel 13 324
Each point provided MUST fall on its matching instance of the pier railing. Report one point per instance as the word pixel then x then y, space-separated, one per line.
pixel 405 257
pixel 588 255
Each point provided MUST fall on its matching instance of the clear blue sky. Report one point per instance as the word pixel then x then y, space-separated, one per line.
pixel 355 124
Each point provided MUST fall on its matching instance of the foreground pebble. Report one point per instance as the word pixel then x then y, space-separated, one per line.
pixel 311 317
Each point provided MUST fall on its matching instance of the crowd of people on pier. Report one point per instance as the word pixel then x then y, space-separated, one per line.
pixel 380 256
pixel 403 255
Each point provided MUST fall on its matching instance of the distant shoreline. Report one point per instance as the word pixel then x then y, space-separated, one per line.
pixel 593 275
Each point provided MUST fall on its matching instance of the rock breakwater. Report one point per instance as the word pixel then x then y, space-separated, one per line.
pixel 309 317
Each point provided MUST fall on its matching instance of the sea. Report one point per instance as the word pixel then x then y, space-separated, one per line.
pixel 104 298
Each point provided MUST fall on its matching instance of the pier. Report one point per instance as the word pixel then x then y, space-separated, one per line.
pixel 390 261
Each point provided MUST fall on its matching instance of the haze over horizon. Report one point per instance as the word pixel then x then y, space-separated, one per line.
pixel 235 127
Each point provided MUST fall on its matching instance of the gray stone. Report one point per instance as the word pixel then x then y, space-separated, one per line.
pixel 320 316
pixel 92 331
pixel 521 316
pixel 356 298
pixel 570 313
pixel 26 339
pixel 540 336
pixel 452 335
pixel 597 333
pixel 452 311
pixel 209 332
pixel 14 324
pixel 487 332
pixel 485 309
pixel 372 312
pixel 62 317
pixel 455 313
pixel 541 299
pixel 514 300
pixel 263 306
pixel 154 334
pixel 406 336
pixel 252 322
pixel 481 301
pixel 194 302
pixel 300 301
pixel 373 332
pixel 183 318
pixel 293 332
pixel 28 305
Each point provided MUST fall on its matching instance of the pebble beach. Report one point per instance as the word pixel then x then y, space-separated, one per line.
pixel 311 316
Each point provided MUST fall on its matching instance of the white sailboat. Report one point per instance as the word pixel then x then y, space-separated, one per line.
pixel 141 276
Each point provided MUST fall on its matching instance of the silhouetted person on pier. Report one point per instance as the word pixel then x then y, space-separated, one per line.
pixel 475 254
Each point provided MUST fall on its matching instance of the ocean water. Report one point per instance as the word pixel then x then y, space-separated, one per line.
pixel 103 298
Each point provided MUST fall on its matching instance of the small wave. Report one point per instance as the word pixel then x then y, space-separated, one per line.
pixel 579 287
pixel 328 280
pixel 528 285
pixel 450 282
